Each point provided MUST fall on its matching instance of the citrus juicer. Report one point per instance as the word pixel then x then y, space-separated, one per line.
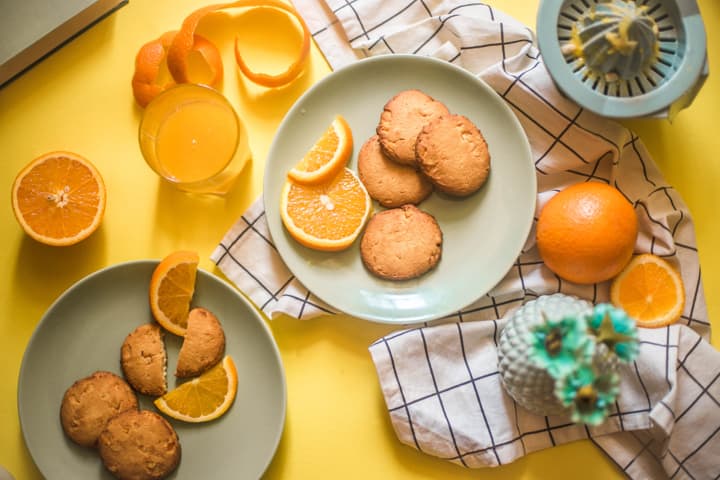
pixel 625 58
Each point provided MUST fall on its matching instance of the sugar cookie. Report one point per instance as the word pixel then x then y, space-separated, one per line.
pixel 401 243
pixel 453 154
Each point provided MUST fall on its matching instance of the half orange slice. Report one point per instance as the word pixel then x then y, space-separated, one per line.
pixel 59 198
pixel 327 157
pixel 172 286
pixel 203 398
pixel 650 290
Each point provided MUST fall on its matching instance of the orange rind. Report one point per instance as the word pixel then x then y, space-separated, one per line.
pixel 147 82
pixel 587 232
pixel 182 44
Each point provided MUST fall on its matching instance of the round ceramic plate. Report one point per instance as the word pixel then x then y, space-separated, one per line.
pixel 482 234
pixel 83 332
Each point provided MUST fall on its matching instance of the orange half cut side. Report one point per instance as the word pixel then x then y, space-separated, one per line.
pixel 59 198
pixel 328 216
pixel 650 290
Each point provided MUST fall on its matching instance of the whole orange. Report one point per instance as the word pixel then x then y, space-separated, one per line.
pixel 587 232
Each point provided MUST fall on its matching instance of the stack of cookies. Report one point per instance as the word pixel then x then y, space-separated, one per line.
pixel 101 411
pixel 419 146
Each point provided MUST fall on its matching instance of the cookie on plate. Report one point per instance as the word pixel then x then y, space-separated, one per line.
pixel 401 120
pixel 203 345
pixel 139 445
pixel 90 402
pixel 144 361
pixel 388 182
pixel 401 243
pixel 453 154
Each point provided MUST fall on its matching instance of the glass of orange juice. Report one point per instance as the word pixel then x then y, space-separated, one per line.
pixel 192 137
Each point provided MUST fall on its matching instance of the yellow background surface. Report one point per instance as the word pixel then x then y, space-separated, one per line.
pixel 80 99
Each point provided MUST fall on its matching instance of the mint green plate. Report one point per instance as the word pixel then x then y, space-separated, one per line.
pixel 483 234
pixel 83 331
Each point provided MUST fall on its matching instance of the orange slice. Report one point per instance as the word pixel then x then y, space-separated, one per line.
pixel 183 42
pixel 147 80
pixel 327 156
pixel 203 398
pixel 650 290
pixel 59 198
pixel 328 216
pixel 172 286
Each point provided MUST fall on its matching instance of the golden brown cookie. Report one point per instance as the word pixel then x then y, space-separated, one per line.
pixel 139 445
pixel 144 361
pixel 388 182
pixel 453 154
pixel 401 243
pixel 402 118
pixel 90 402
pixel 203 345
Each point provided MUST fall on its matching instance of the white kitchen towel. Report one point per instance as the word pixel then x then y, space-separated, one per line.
pixel 444 396
pixel 440 381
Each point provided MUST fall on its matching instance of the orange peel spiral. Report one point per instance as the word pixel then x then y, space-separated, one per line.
pixel 184 41
pixel 149 59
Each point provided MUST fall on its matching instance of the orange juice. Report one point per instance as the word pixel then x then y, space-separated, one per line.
pixel 191 136
pixel 189 150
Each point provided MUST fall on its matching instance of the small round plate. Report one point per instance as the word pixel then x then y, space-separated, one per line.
pixel 482 234
pixel 83 331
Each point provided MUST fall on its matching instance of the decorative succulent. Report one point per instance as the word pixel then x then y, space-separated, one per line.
pixel 614 328
pixel 558 345
pixel 559 354
pixel 616 38
pixel 588 394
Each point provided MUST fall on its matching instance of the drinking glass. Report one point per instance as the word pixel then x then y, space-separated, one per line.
pixel 191 136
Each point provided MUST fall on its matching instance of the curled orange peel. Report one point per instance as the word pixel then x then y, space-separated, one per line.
pixel 150 57
pixel 183 42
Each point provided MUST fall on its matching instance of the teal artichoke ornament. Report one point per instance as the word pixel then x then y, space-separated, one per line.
pixel 559 354
pixel 589 395
pixel 523 372
pixel 614 328
pixel 616 39
pixel 558 345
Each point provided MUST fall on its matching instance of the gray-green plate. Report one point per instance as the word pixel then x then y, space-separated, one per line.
pixel 83 332
pixel 482 234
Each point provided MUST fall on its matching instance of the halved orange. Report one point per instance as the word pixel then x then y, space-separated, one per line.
pixel 203 398
pixel 328 216
pixel 650 290
pixel 59 198
pixel 327 156
pixel 172 286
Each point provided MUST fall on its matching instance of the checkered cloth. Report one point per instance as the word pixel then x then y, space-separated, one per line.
pixel 444 397
pixel 440 381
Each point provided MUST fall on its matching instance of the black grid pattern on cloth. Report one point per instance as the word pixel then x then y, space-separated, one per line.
pixel 249 259
pixel 666 415
pixel 568 145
